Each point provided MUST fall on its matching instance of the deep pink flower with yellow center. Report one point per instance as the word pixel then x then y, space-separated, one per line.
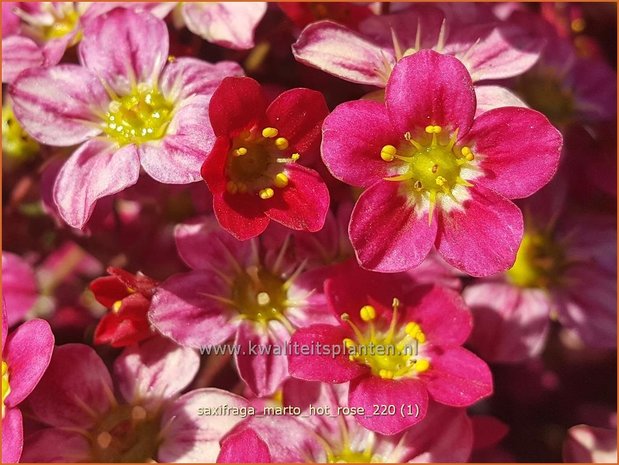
pixel 403 345
pixel 129 105
pixel 252 170
pixel 434 174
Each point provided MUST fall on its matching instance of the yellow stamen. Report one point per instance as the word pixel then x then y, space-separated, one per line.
pixel 240 151
pixel 281 143
pixel 386 374
pixel 281 180
pixel 388 153
pixel 266 193
pixel 263 298
pixel 467 154
pixel 440 180
pixel 367 313
pixel 116 306
pixel 270 133
pixel 295 156
pixel 421 365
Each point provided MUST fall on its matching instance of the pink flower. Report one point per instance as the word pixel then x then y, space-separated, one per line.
pixel 229 24
pixel 237 290
pixel 85 420
pixel 36 34
pixel 252 170
pixel 26 353
pixel 586 443
pixel 445 436
pixel 434 174
pixel 566 266
pixel 126 109
pixel 19 287
pixel 489 50
pixel 418 331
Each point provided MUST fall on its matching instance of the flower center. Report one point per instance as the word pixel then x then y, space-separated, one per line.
pixel 139 117
pixel 348 455
pixel 128 433
pixel 6 387
pixel 256 165
pixel 55 20
pixel 540 262
pixel 16 143
pixel 544 91
pixel 260 295
pixel 391 353
pixel 431 167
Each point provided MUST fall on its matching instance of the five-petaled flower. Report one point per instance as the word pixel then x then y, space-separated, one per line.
pixel 128 109
pixel 403 342
pixel 433 173
pixel 252 170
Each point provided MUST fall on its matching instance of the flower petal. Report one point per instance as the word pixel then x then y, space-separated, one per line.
pixel 459 378
pixel 304 363
pixel 19 287
pixel 54 110
pixel 337 50
pixel 428 88
pixel 511 324
pixel 490 97
pixel 229 24
pixel 442 314
pixel 408 396
pixel 27 352
pixel 481 239
pixel 185 309
pixel 75 385
pixel 262 372
pixel 242 215
pixel 95 170
pixel 178 157
pixel 237 104
pixel 55 445
pixel 192 437
pixel 303 204
pixel 124 48
pixel 185 77
pixel 388 235
pixel 353 137
pixel 19 53
pixel 298 115
pixel 157 369
pixel 12 436
pixel 244 446
pixel 519 150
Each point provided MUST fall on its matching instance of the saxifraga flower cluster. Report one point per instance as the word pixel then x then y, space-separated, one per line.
pixel 308 232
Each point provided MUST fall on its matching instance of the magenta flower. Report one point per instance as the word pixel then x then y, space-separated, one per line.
pixel 37 34
pixel 566 266
pixel 252 170
pixel 586 443
pixel 26 353
pixel 19 287
pixel 229 24
pixel 128 110
pixel 237 290
pixel 445 436
pixel 434 174
pixel 422 327
pixel 148 421
pixel 490 50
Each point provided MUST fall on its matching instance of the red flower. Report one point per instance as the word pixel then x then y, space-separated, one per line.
pixel 252 170
pixel 128 297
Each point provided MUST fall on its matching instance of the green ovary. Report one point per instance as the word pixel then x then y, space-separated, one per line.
pixel 141 116
pixel 260 296
pixel 540 262
pixel 347 455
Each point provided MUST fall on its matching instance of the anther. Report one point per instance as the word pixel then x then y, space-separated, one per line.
pixel 434 168
pixel 467 154
pixel 266 193
pixel 240 151
pixel 421 365
pixel 385 374
pixel 116 306
pixel 270 133
pixel 138 413
pixel 281 143
pixel 367 313
pixel 280 180
pixel 418 185
pixel 295 156
pixel 104 440
pixel 263 298
pixel 440 180
pixel 433 129
pixel 388 153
